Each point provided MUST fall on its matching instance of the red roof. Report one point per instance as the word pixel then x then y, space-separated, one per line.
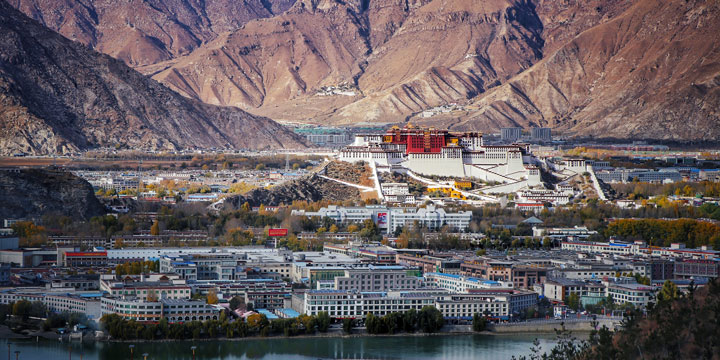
pixel 99 253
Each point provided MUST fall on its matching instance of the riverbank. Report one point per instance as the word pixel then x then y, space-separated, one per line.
pixel 526 328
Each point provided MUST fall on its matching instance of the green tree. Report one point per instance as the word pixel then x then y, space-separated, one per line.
pixel 479 323
pixel 573 301
pixel 323 321
pixel 669 291
pixel 430 319
pixel 348 325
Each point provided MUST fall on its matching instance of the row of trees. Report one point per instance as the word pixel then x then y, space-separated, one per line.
pixel 254 325
pixel 137 267
pixel 660 232
pixel 428 320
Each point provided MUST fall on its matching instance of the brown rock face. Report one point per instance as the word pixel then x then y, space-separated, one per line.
pixel 403 56
pixel 57 96
pixel 606 68
pixel 144 32
pixel 651 72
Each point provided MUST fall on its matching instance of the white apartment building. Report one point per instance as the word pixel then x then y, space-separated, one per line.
pixel 463 284
pixel 353 304
pixel 378 278
pixel 174 310
pixel 391 219
pixel 57 300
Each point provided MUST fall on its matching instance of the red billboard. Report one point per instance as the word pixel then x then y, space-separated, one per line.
pixel 277 232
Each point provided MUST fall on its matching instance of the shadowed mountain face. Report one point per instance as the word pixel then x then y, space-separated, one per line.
pixel 58 96
pixel 606 68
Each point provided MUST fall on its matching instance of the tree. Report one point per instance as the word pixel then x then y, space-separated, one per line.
pixel 547 242
pixel 573 301
pixel 236 302
pixel 479 322
pixel 246 207
pixel 155 228
pixel 430 319
pixel 352 228
pixel 333 228
pixel 348 325
pixel 669 291
pixel 323 321
pixel 257 321
pixel 212 297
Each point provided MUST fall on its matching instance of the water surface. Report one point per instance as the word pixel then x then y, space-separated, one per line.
pixel 461 347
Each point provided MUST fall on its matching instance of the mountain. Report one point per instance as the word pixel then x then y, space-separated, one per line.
pixel 601 68
pixel 144 32
pixel 32 193
pixel 653 71
pixel 395 57
pixel 58 96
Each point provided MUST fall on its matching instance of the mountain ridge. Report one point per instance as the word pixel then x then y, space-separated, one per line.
pixel 59 97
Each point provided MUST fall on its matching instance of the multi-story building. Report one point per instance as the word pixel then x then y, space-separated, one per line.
pixel 174 310
pixel 80 282
pixel 637 294
pixel 694 268
pixel 147 290
pixel 541 134
pixel 429 263
pixel 559 289
pixel 397 193
pixel 353 304
pixel 614 247
pixel 85 259
pixel 379 278
pixel 392 219
pixel 57 300
pixel 203 266
pixel 509 135
pixel 579 232
pixel 462 284
pixel 262 293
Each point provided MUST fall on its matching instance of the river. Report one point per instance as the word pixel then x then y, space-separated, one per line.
pixel 476 347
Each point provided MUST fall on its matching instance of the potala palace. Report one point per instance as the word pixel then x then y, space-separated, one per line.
pixel 442 153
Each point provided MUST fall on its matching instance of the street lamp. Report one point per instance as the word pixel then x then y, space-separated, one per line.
pixel 145 356
pixel 132 348
pixel 193 350
pixel 17 354
pixel 9 350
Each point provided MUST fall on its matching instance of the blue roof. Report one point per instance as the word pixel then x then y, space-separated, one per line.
pixel 267 313
pixel 91 295
pixel 289 312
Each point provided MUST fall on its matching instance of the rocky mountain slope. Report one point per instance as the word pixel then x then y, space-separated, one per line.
pixel 143 32
pixel 311 188
pixel 400 57
pixel 651 72
pixel 58 96
pixel 603 68
pixel 33 193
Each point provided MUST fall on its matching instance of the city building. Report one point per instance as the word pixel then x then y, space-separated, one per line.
pixel 541 134
pixel 174 310
pixel 463 284
pixel 391 219
pixel 510 135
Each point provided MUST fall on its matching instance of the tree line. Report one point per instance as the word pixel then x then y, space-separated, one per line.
pixel 224 327
pixel 428 320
